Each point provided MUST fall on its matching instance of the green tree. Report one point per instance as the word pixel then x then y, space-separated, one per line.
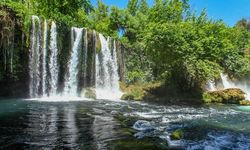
pixel 243 23
pixel 132 7
pixel 143 6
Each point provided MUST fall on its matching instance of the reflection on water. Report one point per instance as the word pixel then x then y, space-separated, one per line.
pixel 93 125
pixel 70 130
pixel 53 120
pixel 103 131
pixel 56 125
pixel 42 126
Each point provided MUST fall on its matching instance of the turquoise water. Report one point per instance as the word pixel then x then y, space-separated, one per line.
pixel 120 125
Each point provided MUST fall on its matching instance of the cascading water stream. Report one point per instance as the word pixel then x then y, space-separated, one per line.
pixel 45 34
pixel 107 79
pixel 53 63
pixel 34 56
pixel 115 80
pixel 72 80
pixel 85 69
pixel 227 83
pixel 85 56
pixel 211 86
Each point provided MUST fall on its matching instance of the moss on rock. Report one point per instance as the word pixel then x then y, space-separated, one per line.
pixel 125 121
pixel 127 97
pixel 138 91
pixel 227 96
pixel 245 102
pixel 125 145
pixel 177 135
pixel 133 92
pixel 90 93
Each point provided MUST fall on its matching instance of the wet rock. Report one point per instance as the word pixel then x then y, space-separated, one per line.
pixel 114 112
pixel 177 135
pixel 173 144
pixel 134 144
pixel 151 133
pixel 127 97
pixel 124 120
pixel 89 93
pixel 245 102
pixel 227 96
pixel 142 125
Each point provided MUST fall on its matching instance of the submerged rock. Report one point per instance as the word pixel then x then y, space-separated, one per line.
pixel 177 135
pixel 142 125
pixel 227 96
pixel 173 144
pixel 124 120
pixel 143 144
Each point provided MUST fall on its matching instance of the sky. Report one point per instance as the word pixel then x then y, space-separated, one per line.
pixel 230 11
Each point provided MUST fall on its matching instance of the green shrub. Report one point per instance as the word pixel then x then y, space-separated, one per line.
pixel 135 76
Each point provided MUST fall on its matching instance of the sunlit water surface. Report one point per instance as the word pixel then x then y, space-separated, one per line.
pixel 102 124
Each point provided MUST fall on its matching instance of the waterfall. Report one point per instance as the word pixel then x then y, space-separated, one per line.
pixel 115 76
pixel 44 87
pixel 85 56
pixel 53 63
pixel 107 79
pixel 211 86
pixel 72 80
pixel 34 56
pixel 227 83
pixel 87 66
pixel 12 53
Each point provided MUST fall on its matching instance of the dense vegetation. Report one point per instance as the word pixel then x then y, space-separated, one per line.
pixel 165 42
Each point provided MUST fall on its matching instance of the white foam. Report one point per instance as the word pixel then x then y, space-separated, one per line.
pixel 149 115
pixel 60 99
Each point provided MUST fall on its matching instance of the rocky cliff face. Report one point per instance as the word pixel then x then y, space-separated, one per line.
pixel 13 55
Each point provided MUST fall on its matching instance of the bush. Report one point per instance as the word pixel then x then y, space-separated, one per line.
pixel 135 76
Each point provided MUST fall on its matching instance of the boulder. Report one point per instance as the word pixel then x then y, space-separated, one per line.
pixel 245 102
pixel 142 125
pixel 227 96
pixel 89 93
pixel 127 97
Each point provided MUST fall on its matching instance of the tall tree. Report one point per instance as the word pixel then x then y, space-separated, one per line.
pixel 132 7
pixel 143 6
pixel 87 6
pixel 243 23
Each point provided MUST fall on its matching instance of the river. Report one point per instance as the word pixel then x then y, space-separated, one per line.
pixel 104 124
